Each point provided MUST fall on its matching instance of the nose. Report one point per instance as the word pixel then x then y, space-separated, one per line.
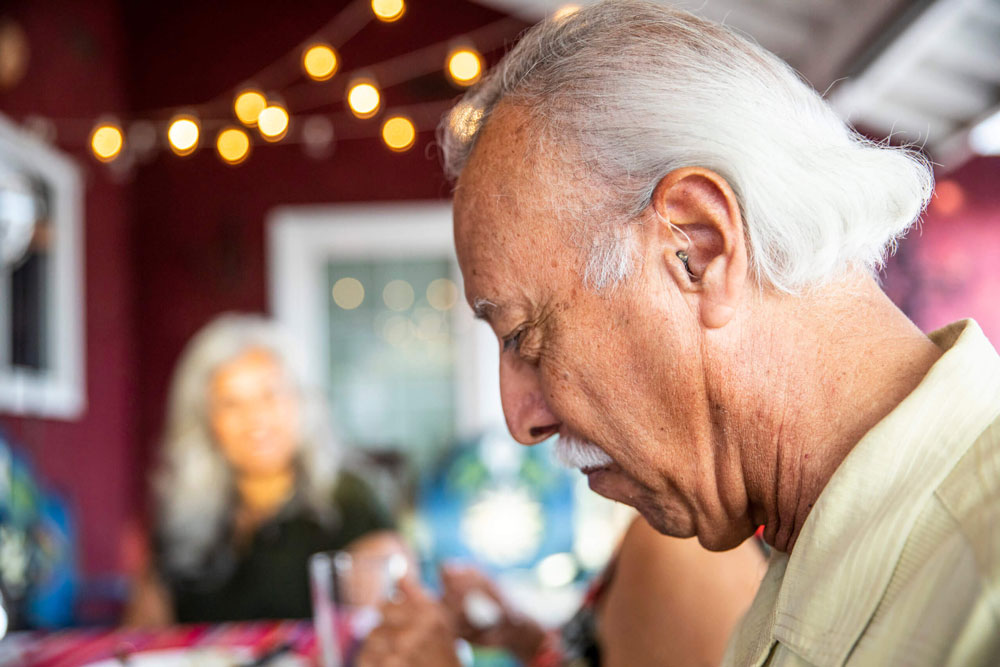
pixel 528 416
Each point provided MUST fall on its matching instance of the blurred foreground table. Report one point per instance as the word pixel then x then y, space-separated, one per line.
pixel 76 648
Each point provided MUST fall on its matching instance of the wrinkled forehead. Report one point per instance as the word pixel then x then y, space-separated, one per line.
pixel 495 194
pixel 487 235
pixel 512 193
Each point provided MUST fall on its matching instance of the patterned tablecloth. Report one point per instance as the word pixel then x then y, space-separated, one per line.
pixel 74 648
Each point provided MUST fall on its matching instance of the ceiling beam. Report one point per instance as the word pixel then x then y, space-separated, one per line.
pixel 844 36
pixel 899 58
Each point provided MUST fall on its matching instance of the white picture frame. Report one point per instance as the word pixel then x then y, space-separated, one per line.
pixel 302 239
pixel 58 391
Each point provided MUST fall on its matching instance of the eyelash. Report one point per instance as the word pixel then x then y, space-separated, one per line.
pixel 512 342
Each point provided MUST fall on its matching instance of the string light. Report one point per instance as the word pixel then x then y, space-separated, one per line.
pixel 320 62
pixel 364 99
pixel 233 145
pixel 273 122
pixel 319 59
pixel 106 141
pixel 183 135
pixel 399 134
pixel 465 66
pixel 248 105
pixel 388 10
pixel 142 138
pixel 317 135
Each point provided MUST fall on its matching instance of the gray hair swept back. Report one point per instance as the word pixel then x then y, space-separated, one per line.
pixel 193 484
pixel 641 89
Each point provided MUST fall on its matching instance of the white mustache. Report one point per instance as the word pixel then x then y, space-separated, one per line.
pixel 573 452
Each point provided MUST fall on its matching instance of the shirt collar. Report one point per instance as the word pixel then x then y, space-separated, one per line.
pixel 854 535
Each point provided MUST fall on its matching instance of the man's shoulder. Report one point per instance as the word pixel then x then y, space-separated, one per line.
pixel 971 496
pixel 973 485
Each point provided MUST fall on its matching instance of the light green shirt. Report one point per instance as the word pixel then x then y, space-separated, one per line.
pixel 898 563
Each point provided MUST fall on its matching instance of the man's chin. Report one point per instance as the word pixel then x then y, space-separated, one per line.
pixel 610 482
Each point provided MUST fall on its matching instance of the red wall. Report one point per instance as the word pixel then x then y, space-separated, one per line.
pixel 75 70
pixel 182 239
pixel 949 267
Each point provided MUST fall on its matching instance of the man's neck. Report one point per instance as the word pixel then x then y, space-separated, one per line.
pixel 847 360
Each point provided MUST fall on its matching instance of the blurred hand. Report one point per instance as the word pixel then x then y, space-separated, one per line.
pixel 416 631
pixel 511 630
pixel 379 560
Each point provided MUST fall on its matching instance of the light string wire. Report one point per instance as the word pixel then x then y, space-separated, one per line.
pixel 308 97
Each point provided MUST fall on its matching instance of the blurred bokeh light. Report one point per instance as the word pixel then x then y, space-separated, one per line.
pixel 388 10
pixel 183 135
pixel 320 62
pixel 107 141
pixel 398 295
pixel 442 294
pixel 465 66
pixel 248 105
pixel 399 134
pixel 233 145
pixel 364 99
pixel 348 293
pixel 273 122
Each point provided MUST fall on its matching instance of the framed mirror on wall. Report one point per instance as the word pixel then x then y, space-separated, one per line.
pixel 41 279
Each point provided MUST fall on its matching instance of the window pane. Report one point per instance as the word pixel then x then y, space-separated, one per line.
pixel 391 354
pixel 28 331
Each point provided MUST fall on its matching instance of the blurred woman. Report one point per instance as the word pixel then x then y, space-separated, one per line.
pixel 249 484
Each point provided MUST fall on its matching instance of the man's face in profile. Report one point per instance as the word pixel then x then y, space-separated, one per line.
pixel 607 368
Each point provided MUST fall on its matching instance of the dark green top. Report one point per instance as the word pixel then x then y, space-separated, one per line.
pixel 268 577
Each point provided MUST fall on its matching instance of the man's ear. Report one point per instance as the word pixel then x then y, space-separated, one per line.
pixel 697 213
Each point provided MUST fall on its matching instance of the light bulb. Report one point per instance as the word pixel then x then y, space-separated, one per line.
pixel 388 10
pixel 248 105
pixel 399 134
pixel 233 145
pixel 465 66
pixel 183 134
pixel 320 62
pixel 364 100
pixel 106 141
pixel 273 122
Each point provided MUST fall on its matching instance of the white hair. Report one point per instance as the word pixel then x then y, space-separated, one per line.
pixel 194 484
pixel 640 89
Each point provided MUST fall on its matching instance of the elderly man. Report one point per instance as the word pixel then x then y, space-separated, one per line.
pixel 675 240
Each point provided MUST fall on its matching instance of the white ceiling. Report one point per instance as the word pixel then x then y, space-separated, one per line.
pixel 923 71
pixel 933 81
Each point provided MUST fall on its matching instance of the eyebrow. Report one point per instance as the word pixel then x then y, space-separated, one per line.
pixel 483 309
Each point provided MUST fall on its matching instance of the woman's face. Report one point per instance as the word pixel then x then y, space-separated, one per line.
pixel 254 414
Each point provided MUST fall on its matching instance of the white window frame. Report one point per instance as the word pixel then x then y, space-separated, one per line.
pixel 303 239
pixel 59 392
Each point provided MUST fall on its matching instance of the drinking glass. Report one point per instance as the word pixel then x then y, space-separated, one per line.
pixel 347 590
